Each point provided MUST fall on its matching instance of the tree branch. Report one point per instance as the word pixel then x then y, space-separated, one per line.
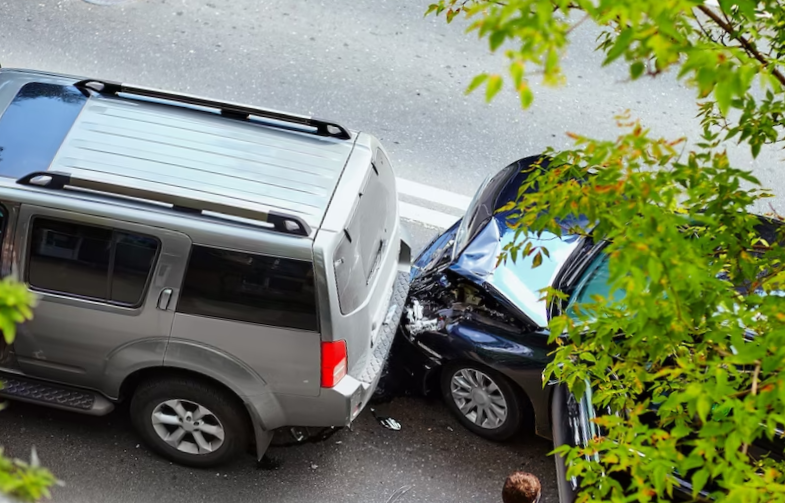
pixel 577 24
pixel 746 44
pixel 704 30
pixel 754 392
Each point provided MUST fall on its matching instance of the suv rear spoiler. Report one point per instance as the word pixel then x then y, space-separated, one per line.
pixel 229 110
pixel 281 222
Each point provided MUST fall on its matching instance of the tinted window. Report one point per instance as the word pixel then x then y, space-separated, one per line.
pixel 93 262
pixel 34 126
pixel 133 261
pixel 250 288
pixel 595 280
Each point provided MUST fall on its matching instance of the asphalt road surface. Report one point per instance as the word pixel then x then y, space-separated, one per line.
pixel 100 460
pixel 374 65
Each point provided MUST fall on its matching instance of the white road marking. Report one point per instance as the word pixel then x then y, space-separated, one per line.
pixel 433 194
pixel 427 216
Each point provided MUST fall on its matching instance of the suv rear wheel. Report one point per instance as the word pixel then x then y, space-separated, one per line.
pixel 189 422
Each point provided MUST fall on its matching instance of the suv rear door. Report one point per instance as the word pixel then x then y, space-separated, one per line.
pixel 256 308
pixel 102 284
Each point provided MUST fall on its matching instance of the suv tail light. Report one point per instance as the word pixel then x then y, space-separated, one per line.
pixel 333 363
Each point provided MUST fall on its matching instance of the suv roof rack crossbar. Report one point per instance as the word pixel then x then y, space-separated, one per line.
pixel 230 110
pixel 282 222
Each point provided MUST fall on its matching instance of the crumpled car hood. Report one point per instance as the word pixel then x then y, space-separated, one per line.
pixel 518 282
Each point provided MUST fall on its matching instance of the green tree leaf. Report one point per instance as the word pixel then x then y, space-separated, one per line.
pixel 493 86
pixel 537 260
pixel 636 69
pixel 476 82
pixel 659 324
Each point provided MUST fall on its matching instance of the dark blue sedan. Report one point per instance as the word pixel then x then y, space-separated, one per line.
pixel 478 331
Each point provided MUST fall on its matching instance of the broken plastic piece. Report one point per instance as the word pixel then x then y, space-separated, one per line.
pixel 398 493
pixel 387 422
pixel 298 434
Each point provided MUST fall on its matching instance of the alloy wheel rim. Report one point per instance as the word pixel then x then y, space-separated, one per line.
pixel 188 427
pixel 478 398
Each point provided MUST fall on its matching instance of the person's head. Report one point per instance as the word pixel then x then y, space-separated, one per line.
pixel 521 487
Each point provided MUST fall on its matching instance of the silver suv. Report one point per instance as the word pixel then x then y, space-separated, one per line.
pixel 228 270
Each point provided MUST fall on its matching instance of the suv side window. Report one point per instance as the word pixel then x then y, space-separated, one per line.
pixel 250 288
pixel 97 263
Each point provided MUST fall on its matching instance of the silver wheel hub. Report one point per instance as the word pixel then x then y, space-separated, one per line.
pixel 478 398
pixel 188 426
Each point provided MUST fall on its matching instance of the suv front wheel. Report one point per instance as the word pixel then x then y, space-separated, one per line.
pixel 189 422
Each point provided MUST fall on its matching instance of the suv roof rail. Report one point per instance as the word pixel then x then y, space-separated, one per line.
pixel 289 224
pixel 230 110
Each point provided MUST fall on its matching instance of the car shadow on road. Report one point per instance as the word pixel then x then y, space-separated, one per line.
pixel 432 458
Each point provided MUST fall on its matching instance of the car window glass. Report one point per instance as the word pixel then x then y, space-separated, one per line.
pixel 87 261
pixel 134 258
pixel 250 288
pixel 595 280
pixel 34 126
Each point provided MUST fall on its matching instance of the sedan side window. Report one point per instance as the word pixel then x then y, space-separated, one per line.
pixel 594 281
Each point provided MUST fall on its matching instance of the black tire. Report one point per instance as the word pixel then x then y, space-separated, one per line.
pixel 224 407
pixel 512 398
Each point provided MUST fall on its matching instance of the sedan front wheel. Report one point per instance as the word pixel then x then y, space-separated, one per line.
pixel 483 400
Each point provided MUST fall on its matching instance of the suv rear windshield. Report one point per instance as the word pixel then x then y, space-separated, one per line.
pixel 34 126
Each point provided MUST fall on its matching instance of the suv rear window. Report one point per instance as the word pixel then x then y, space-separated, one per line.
pixel 93 262
pixel 251 288
pixel 34 126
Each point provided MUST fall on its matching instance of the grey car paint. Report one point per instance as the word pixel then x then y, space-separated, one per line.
pixel 207 159
pixel 71 339
pixel 274 371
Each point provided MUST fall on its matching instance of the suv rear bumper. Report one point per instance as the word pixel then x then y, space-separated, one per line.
pixel 340 405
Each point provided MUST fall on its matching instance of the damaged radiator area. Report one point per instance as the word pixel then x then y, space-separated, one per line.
pixel 438 302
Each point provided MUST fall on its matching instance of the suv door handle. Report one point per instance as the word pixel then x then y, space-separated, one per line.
pixel 164 298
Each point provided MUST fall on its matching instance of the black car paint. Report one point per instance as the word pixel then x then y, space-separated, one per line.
pixel 452 317
pixel 475 332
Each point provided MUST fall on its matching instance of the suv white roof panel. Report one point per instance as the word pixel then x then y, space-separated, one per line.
pixel 204 156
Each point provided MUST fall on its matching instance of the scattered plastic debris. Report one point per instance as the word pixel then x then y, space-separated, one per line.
pixel 398 493
pixel 298 433
pixel 314 466
pixel 449 428
pixel 387 422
